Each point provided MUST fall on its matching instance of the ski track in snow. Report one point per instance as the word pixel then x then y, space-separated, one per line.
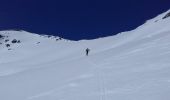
pixel 132 65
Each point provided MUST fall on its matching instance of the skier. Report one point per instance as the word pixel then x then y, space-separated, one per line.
pixel 87 51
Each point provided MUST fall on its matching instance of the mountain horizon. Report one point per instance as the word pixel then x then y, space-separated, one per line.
pixel 166 15
pixel 132 65
pixel 77 20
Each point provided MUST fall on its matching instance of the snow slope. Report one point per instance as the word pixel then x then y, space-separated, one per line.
pixel 132 65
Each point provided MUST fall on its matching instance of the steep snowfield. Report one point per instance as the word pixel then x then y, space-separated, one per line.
pixel 132 65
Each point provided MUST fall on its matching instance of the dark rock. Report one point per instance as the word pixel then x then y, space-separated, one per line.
pixel 1 36
pixel 166 16
pixel 7 45
pixel 48 36
pixel 6 40
pixel 18 41
pixel 14 41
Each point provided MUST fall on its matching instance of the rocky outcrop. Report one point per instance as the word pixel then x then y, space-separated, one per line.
pixel 166 16
pixel 1 36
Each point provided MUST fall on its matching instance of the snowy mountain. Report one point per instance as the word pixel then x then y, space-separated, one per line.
pixel 133 65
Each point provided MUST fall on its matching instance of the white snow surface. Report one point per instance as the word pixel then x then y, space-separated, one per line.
pixel 133 65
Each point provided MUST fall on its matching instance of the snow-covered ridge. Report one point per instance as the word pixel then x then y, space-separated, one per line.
pixel 160 17
pixel 26 35
pixel 12 37
pixel 132 65
pixel 156 22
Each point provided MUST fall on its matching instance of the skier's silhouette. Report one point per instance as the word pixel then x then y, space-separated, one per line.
pixel 87 51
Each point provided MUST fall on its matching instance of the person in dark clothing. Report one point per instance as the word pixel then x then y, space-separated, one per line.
pixel 87 51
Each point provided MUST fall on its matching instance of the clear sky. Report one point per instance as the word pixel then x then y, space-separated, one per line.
pixel 78 19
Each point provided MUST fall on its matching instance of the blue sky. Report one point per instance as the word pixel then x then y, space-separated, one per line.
pixel 78 19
